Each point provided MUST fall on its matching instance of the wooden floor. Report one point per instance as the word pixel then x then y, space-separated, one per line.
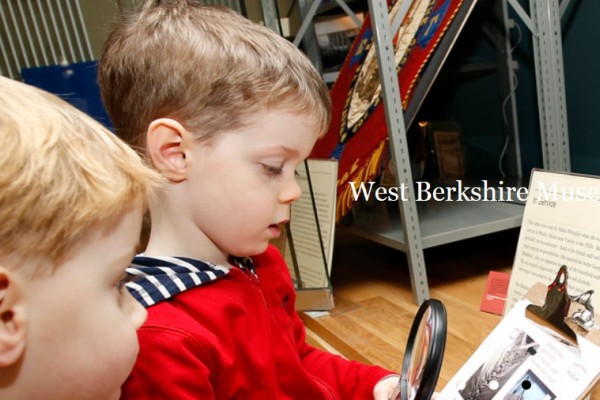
pixel 375 309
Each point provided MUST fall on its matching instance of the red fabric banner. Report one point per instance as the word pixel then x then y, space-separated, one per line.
pixel 358 134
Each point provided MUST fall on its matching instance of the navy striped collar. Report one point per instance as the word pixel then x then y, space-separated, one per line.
pixel 156 279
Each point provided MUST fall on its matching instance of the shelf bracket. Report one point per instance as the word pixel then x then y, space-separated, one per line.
pixel 307 21
pixel 516 6
pixel 349 12
pixel 564 4
pixel 270 15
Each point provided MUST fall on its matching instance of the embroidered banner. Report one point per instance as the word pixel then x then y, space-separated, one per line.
pixel 358 134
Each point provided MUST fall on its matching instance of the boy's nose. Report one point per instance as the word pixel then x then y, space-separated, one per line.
pixel 290 192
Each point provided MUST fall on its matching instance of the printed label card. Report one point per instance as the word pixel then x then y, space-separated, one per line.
pixel 496 289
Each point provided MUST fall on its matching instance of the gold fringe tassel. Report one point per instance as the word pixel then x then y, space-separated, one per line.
pixel 368 171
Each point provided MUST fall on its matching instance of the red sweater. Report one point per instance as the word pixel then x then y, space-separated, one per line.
pixel 239 337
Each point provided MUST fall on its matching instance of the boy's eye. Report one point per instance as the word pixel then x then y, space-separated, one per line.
pixel 272 169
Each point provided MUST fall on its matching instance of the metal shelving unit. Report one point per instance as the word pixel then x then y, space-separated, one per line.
pixel 544 24
pixel 437 223
pixel 410 226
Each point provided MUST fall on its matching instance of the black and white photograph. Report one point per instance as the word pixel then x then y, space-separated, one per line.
pixel 530 387
pixel 491 376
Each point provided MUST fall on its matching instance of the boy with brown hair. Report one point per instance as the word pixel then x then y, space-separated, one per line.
pixel 72 196
pixel 226 110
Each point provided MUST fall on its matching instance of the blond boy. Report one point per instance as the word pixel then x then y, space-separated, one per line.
pixel 226 110
pixel 72 197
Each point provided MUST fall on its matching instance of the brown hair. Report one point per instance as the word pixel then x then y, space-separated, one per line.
pixel 205 66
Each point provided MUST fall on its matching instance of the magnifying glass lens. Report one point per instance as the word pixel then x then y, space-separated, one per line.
pixel 424 352
pixel 420 354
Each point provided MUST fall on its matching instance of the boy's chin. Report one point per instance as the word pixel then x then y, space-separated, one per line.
pixel 252 251
pixel 260 249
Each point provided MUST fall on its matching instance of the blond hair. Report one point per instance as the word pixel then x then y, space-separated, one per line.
pixel 61 173
pixel 205 66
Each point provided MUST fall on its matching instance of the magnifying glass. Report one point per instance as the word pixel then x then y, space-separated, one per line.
pixel 424 353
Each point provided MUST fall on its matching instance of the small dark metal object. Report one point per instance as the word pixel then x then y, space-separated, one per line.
pixel 557 304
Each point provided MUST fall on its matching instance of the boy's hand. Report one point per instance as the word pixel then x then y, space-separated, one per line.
pixel 385 388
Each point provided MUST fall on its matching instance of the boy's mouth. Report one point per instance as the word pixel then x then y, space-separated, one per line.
pixel 275 230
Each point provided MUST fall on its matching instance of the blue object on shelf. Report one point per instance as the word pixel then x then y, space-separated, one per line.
pixel 76 83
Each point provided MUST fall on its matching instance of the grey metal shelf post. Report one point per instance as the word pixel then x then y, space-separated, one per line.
pixel 544 24
pixel 397 138
pixel 551 85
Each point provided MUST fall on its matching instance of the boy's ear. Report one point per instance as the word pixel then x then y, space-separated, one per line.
pixel 165 140
pixel 12 318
